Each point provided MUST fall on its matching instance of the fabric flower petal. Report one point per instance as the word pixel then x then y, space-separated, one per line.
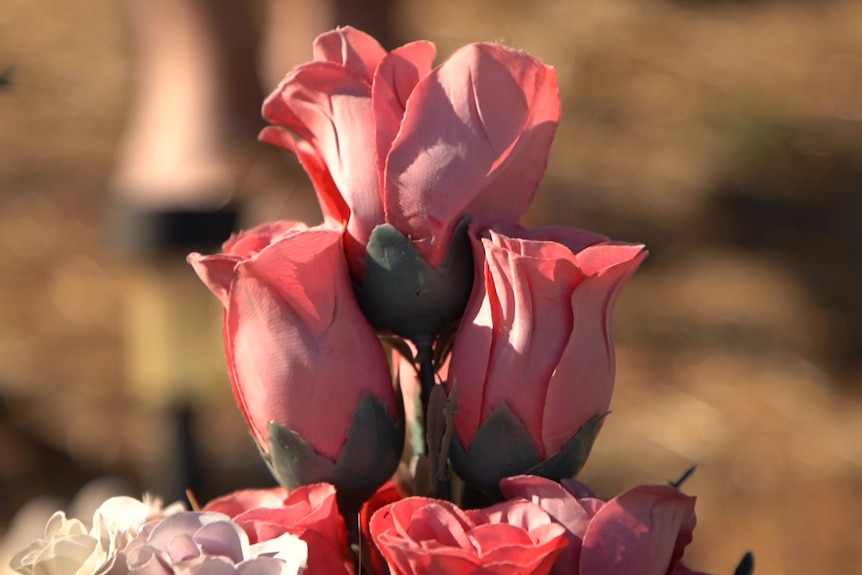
pixel 474 141
pixel 636 533
pixel 350 48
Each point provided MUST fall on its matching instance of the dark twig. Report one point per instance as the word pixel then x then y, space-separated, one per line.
pixel 746 564
pixel 683 478
pixel 7 81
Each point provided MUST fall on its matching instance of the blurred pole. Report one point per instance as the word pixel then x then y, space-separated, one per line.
pixel 191 134
pixel 194 115
pixel 173 360
pixel 195 103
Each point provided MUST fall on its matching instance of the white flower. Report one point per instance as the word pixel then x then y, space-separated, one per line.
pixel 68 548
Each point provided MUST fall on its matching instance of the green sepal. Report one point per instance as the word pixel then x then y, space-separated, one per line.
pixel 401 293
pixel 368 459
pixel 571 459
pixel 502 447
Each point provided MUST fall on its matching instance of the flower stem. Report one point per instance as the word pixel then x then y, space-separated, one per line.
pixel 436 422
pixel 426 374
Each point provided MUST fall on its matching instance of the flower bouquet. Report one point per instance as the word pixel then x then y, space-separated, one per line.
pixel 423 376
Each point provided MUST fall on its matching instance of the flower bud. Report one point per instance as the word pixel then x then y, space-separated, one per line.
pixel 308 372
pixel 387 138
pixel 533 357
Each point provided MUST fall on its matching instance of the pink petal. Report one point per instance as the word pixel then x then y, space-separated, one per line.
pixel 294 328
pixel 596 260
pixel 351 48
pixel 239 501
pixel 550 496
pixel 216 272
pixel 591 505
pixel 514 555
pixel 582 385
pixel 534 239
pixel 442 539
pixel 562 506
pixel 404 558
pixel 439 520
pixel 397 75
pixel 398 532
pixel 519 328
pixel 505 542
pixel 249 242
pixel 329 107
pixel 577 488
pixel 520 513
pixel 636 532
pixel 309 507
pixel 469 367
pixel 474 140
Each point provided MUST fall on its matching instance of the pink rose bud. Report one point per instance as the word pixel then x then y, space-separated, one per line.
pixel 308 371
pixel 401 154
pixel 419 536
pixel 533 357
pixel 642 531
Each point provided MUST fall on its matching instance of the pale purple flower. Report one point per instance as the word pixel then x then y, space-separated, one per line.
pixel 208 543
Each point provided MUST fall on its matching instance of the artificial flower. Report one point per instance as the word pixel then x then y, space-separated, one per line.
pixel 69 547
pixel 642 531
pixel 420 536
pixel 387 138
pixel 209 543
pixel 297 347
pixel 533 357
pixel 309 512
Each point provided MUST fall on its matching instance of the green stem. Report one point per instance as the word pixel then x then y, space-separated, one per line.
pixel 436 453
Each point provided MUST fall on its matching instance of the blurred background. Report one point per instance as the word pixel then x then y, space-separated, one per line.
pixel 726 135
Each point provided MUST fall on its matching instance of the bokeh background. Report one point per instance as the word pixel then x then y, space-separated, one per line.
pixel 727 135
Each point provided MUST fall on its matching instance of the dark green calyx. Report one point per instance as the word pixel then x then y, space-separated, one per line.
pixel 503 448
pixel 401 293
pixel 368 459
pixel 571 459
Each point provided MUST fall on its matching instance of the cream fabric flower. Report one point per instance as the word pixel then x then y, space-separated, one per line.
pixel 67 547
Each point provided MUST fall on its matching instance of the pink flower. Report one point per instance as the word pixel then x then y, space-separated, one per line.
pixel 386 138
pixel 420 536
pixel 389 493
pixel 309 512
pixel 297 347
pixel 640 532
pixel 533 356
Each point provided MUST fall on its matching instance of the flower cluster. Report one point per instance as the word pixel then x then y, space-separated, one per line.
pixel 419 306
pixel 422 174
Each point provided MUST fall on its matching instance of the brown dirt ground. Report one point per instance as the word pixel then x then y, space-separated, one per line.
pixel 725 135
